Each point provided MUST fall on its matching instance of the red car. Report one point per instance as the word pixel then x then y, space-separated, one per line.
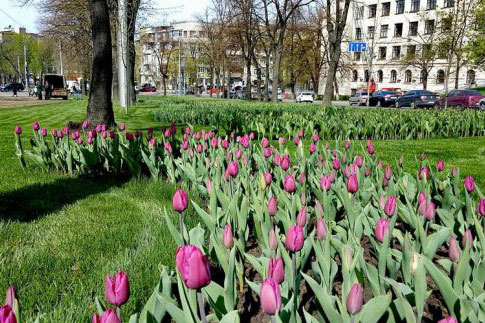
pixel 148 88
pixel 461 99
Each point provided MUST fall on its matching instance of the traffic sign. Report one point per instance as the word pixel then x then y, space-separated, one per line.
pixel 357 47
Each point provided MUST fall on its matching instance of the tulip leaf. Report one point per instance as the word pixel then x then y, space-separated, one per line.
pixel 420 288
pixel 175 233
pixel 100 308
pixel 134 319
pixel 230 283
pixel 308 317
pixel 208 220
pixel 215 296
pixel 231 317
pixel 444 285
pixel 373 310
pixel 221 253
pixel 256 264
pixel 254 286
pixel 461 272
pixel 175 313
pixel 324 299
pixel 434 241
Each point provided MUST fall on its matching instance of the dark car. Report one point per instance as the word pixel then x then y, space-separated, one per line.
pixel 417 99
pixel 9 87
pixel 383 99
pixel 148 88
pixel 461 99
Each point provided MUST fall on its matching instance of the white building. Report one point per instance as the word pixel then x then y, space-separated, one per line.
pixel 397 30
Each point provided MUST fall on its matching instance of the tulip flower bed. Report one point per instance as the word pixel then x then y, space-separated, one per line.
pixel 275 120
pixel 329 234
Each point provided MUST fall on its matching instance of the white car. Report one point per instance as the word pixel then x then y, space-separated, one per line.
pixel 304 97
pixel 481 104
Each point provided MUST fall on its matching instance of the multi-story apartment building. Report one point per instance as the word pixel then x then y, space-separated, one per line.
pixel 398 34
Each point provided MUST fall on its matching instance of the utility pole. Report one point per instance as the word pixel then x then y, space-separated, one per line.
pixel 60 58
pixel 124 99
pixel 179 83
pixel 25 67
pixel 18 67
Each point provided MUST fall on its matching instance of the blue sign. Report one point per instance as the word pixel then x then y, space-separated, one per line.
pixel 357 47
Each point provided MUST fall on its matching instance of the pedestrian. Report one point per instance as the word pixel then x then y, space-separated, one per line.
pixel 47 90
pixel 14 89
pixel 39 90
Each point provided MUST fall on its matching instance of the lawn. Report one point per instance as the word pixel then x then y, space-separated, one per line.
pixel 60 235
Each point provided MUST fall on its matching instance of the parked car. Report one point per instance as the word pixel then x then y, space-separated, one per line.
pixel 9 87
pixel 279 95
pixel 59 86
pixel 359 98
pixel 417 99
pixel 383 99
pixel 481 104
pixel 148 88
pixel 304 97
pixel 461 99
pixel 397 90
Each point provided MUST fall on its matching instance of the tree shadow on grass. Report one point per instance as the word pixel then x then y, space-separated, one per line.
pixel 34 201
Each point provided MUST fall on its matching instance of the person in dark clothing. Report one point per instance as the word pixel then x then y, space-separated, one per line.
pixel 39 90
pixel 47 91
pixel 14 89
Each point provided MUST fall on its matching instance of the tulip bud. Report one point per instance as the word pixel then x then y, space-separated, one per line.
pixel 90 140
pixel 327 145
pixel 285 163
pixel 301 133
pixel 370 148
pixel 193 267
pixel 10 297
pixel 270 297
pixel 315 137
pixel 382 202
pixel 296 140
pixel 282 141
pixel 109 316
pixel 272 206
pixel 469 184
pixel 336 164
pixel 421 197
pixel 358 161
pixel 36 126
pixel 454 171
pixel 453 250
pixel 302 178
pixel 117 290
pixel 321 229
pixel 289 183
pixel 96 318
pixel 481 207
pixel 312 148
pixel 238 153
pixel 7 314
pixel 268 178
pixel 347 171
pixel 367 172
pixel 276 160
pixel 301 218
pixel 388 173
pixel 352 184
pixel 449 319
pixel 413 263
pixel 129 136
pixel 440 166
pixel 423 156
pixel 43 132
pixel 294 238
pixel 272 240
pixel 318 207
pixel 232 169
pixel 276 270
pixel 227 237
pixel 390 206
pixel 267 153
pixel 179 201
pixel 325 183
pixel 382 228
pixel 347 258
pixel 467 238
pixel 355 299
pixel 265 142
pixel 86 124
pixel 430 211
pixel 54 133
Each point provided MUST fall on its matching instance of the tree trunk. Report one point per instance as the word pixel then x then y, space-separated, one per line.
pixel 258 84
pixel 248 77
pixel 276 72
pixel 266 81
pixel 331 75
pixel 100 107
pixel 457 73
pixel 164 82
pixel 447 78
pixel 132 9
pixel 114 87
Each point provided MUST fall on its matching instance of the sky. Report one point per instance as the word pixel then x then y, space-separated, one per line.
pixel 27 16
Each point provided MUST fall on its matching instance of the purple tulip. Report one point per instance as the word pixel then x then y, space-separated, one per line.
pixel 18 130
pixel 440 166
pixel 336 164
pixel 268 178
pixel 355 299
pixel 312 148
pixel 232 169
pixel 43 132
pixel 98 128
pixel 198 148
pixel 469 184
pixel 453 251
pixel 315 137
pixel 79 141
pixel 265 142
pixel 296 140
pixel 272 240
pixel 272 206
pixel 382 228
pixel 294 238
pixel 105 134
pixel 481 207
pixel 388 172
pixel 185 145
pixel 276 270
pixel 193 267
pixel 117 290
pixel 301 218
pixel 276 160
pixel 129 136
pixel 347 144
pixel 96 318
pixel 36 126
pixel 301 133
pixel 270 297
pixel 85 124
pixel 7 315
pixel 358 161
pixel 10 296
pixel 467 238
pixel 321 229
pixel 227 237
pixel 423 172
pixel 325 183
pixel 352 184
pixel 285 163
pixel 109 316
pixel 390 206
pixel 54 133
pixel 168 148
pixel 430 212
pixel 370 148
pixel 179 201
pixel 289 183
pixel 267 153
pixel 449 319
pixel 112 134
pixel 225 144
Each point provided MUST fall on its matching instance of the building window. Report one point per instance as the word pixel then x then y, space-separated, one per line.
pixel 396 52
pixel 399 7
pixel 359 12
pixel 446 23
pixel 411 53
pixel 382 53
pixel 366 76
pixel 185 33
pixel 380 76
pixel 393 76
pixel 429 27
pixel 415 5
pixel 358 33
pixel 470 77
pixel 398 30
pixel 357 56
pixel 431 5
pixel 355 76
pixel 449 3
pixel 386 9
pixel 372 10
pixel 413 28
pixel 440 78
pixel 408 76
pixel 370 32
pixel 384 29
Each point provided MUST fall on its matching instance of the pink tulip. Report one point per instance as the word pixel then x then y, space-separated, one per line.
pixel 10 297
pixel 481 207
pixel 267 153
pixel 74 135
pixel 117 290
pixel 238 153
pixel 382 228
pixel 355 299
pixel 109 316
pixel 424 172
pixel 272 206
pixel 382 202
pixel 423 156
pixel 80 141
pixel 301 218
pixel 312 148
pixel 265 142
pixel 347 144
pixel 208 185
pixel 268 178
pixel 104 128
pixel 232 169
pixel 199 148
pixel 336 164
pixel 302 178
pixel 467 238
pixel 43 132
pixel 36 126
pixel 225 144
pixel 370 148
pixel 90 140
pixel 285 163
pixel 315 137
pixel 303 198
pixel 167 134
pixel 421 197
pixel 214 143
pixel 270 297
pixel 301 133
pixel 276 160
pixel 367 172
pixel 282 140
pixel 430 211
pixel 276 270
pixel 7 315
pixel 296 140
pixel 358 161
pixel 390 207
pixel 272 240
pixel 185 145
pixel 294 238
pixel 449 319
pixel 352 184
pixel 54 133
pixel 193 267
pixel 440 166
pixel 347 171
pixel 453 251
pixel 289 183
pixel 98 128
pixel 86 125
pixel 469 184
pixel 388 172
pixel 122 127
pixel 179 201
pixel 96 318
pixel 197 136
pixel 227 237
pixel 422 207
pixel 321 229
pixel 104 134
pixel 318 207
pixel 454 171
pixel 325 183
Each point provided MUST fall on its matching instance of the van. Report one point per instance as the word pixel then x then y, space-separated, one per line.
pixel 59 86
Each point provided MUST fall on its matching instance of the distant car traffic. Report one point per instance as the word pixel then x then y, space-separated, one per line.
pixel 304 97
pixel 9 87
pixel 417 99
pixel 148 88
pixel 461 99
pixel 383 99
pixel 359 98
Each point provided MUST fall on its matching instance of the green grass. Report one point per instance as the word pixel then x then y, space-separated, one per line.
pixel 60 235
